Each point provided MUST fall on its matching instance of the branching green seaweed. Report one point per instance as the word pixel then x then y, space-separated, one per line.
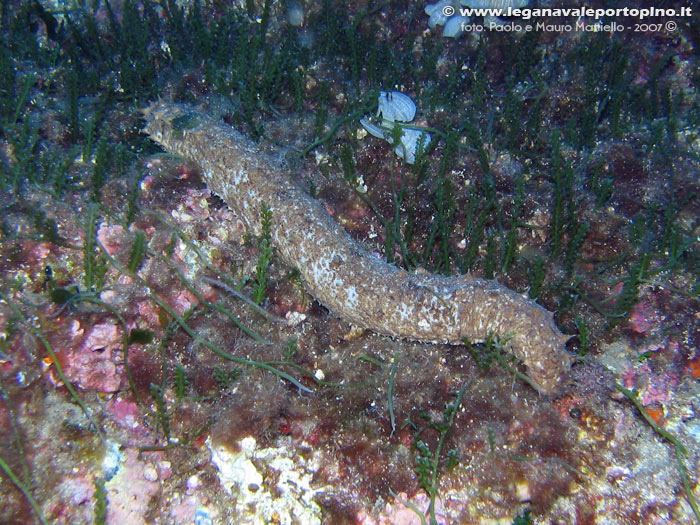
pixel 427 462
pixel 265 257
pixel 390 391
pixel 94 266
pixel 100 501
pixel 493 350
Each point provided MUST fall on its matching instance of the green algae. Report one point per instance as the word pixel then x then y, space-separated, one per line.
pixel 511 114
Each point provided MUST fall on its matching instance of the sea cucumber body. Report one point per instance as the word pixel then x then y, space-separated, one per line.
pixel 341 274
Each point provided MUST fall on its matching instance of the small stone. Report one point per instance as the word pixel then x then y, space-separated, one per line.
pixel 150 473
pixel 164 469
pixel 192 482
pixel 293 318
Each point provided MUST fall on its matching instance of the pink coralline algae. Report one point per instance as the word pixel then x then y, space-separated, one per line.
pixel 41 250
pixel 180 301
pixel 652 386
pixel 184 508
pixel 112 238
pixel 659 388
pixel 77 492
pixel 129 493
pixel 148 312
pixel 92 363
pixel 644 318
pixel 125 413
pixel 183 301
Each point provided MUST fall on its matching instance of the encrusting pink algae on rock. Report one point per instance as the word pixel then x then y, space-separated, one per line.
pixel 340 273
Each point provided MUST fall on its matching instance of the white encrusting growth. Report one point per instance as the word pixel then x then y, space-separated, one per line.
pixel 404 311
pixel 239 176
pixel 351 295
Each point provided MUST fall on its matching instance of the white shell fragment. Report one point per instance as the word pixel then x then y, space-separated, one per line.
pixel 436 12
pixel 396 108
pixel 453 27
pixel 372 129
pixel 295 14
pixel 412 141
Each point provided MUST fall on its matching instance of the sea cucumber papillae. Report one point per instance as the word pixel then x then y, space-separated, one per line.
pixel 341 274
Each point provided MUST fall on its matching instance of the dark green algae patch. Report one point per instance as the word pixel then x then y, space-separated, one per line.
pixel 565 166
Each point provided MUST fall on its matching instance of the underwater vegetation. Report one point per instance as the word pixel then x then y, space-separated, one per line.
pixel 159 362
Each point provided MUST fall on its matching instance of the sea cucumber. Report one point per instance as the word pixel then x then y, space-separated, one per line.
pixel 340 273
